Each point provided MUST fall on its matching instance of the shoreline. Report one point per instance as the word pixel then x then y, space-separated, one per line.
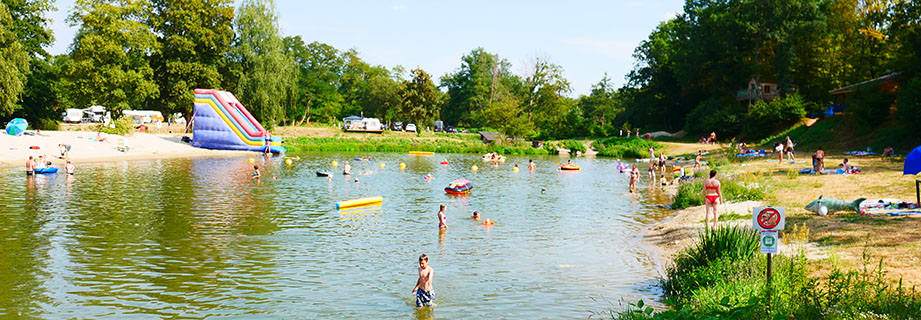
pixel 84 149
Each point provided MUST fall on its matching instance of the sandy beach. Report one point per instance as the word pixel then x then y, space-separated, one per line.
pixel 16 150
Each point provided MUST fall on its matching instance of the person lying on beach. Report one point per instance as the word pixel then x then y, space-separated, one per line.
pixel 101 137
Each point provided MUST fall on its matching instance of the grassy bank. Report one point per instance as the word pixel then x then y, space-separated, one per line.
pixel 722 277
pixel 406 143
pixel 735 189
pixel 617 147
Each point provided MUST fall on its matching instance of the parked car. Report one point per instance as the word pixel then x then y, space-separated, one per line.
pixel 439 126
pixel 450 129
pixel 396 126
pixel 411 127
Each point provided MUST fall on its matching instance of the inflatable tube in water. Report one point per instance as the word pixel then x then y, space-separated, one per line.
pixel 359 202
pixel 46 170
pixel 570 167
pixel 322 173
pixel 459 186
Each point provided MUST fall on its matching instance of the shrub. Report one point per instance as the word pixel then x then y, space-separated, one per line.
pixel 909 104
pixel 870 106
pixel 766 117
pixel 123 126
pixel 717 253
pixel 574 146
pixel 45 124
pixel 691 194
pixel 714 116
pixel 617 147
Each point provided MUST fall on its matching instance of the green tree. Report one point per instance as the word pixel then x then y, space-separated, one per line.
pixel 421 99
pixel 267 73
pixel 14 64
pixel 382 98
pixel 317 95
pixel 110 55
pixel 544 102
pixel 193 38
pixel 481 78
pixel 602 105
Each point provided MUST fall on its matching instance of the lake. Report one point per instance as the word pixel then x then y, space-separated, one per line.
pixel 197 238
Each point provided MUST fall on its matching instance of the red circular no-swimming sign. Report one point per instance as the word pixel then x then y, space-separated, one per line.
pixel 768 218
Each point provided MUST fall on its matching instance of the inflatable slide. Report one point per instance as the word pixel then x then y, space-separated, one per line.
pixel 222 122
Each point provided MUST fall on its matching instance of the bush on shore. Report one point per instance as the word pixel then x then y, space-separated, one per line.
pixel 690 194
pixel 617 147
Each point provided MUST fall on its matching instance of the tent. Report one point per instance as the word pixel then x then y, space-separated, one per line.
pixel 16 126
pixel 913 162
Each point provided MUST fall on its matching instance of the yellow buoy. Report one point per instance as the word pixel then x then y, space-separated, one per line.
pixel 382 165
pixel 474 168
pixel 288 162
pixel 251 160
pixel 335 164
pixel 402 165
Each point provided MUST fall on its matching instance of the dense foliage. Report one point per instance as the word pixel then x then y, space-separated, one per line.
pixel 689 72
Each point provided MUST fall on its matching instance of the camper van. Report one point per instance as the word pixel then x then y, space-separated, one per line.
pixel 73 116
pixel 359 124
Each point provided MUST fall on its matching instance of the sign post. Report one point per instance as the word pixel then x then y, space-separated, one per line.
pixel 769 220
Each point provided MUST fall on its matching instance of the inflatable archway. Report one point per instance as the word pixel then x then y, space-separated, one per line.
pixel 222 122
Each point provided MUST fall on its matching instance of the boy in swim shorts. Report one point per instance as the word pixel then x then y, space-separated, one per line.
pixel 423 289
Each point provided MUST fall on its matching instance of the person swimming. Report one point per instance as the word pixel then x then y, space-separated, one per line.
pixel 476 216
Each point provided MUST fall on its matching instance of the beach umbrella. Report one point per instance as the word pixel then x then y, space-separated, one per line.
pixel 16 126
pixel 913 162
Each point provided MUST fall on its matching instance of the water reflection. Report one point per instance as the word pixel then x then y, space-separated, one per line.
pixel 199 238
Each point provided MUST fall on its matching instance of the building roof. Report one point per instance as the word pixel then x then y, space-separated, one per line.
pixel 852 87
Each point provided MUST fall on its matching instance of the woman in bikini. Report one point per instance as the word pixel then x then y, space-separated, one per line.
pixel 634 175
pixel 713 196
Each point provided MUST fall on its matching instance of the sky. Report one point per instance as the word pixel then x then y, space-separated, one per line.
pixel 586 38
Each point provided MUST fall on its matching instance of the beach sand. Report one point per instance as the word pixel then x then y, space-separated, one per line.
pixel 15 150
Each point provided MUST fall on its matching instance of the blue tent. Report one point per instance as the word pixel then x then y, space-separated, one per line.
pixel 913 162
pixel 16 126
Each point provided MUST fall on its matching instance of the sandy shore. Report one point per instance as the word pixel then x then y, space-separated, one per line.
pixel 16 150
pixel 680 230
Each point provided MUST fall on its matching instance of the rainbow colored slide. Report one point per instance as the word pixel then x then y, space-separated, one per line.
pixel 222 122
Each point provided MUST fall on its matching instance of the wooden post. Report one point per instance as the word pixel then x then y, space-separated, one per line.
pixel 769 279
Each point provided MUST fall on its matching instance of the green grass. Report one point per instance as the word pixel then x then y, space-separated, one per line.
pixel 721 277
pixel 616 147
pixel 690 194
pixel 405 144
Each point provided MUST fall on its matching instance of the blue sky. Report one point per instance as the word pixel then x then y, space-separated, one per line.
pixel 586 38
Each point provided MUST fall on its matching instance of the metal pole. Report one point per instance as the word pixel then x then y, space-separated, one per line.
pixel 918 190
pixel 768 279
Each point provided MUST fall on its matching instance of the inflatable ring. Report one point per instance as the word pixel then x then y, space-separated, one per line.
pixel 488 223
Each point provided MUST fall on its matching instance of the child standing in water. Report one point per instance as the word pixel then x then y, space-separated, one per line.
pixel 256 174
pixel 423 289
pixel 442 218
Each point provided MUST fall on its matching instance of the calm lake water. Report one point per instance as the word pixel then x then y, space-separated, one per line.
pixel 196 238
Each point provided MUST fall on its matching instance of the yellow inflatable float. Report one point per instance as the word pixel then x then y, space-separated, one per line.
pixel 359 202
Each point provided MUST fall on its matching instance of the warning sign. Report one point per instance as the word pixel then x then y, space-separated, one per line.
pixel 769 242
pixel 768 218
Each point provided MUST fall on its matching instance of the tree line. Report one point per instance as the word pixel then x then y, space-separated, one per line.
pixel 151 54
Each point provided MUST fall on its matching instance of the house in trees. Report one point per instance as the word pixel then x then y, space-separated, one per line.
pixel 888 83
pixel 758 90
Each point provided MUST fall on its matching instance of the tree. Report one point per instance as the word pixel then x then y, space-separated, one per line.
pixel 193 38
pixel 602 105
pixel 475 86
pixel 14 64
pixel 545 104
pixel 382 98
pixel 110 55
pixel 421 98
pixel 267 73
pixel 319 66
